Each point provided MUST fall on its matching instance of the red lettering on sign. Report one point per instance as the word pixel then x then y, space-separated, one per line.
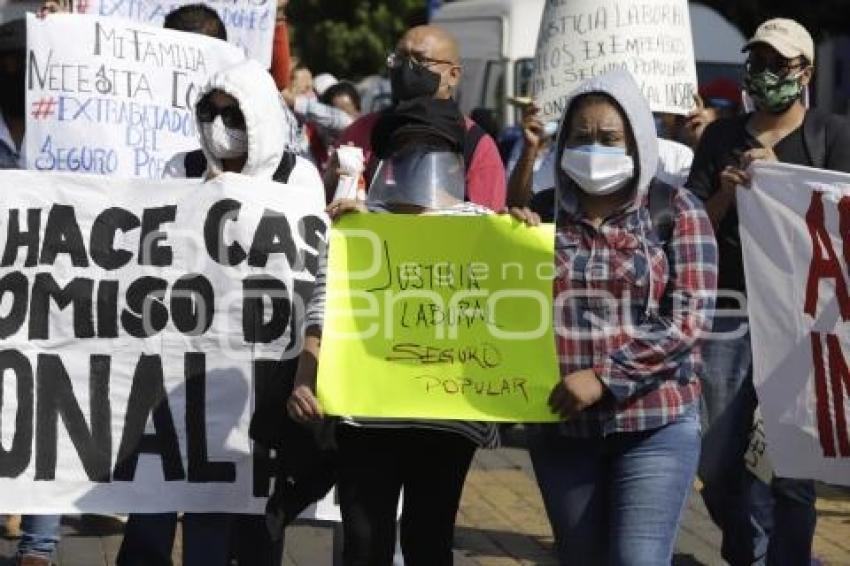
pixel 824 264
pixel 831 416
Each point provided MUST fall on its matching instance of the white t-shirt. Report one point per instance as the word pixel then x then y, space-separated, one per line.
pixel 674 162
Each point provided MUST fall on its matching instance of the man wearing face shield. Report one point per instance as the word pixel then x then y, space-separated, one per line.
pixel 420 171
pixel 761 523
pixel 416 180
pixel 425 66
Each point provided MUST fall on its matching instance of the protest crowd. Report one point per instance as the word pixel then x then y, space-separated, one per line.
pixel 643 379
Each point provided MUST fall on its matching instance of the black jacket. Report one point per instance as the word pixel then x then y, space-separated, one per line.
pixel 826 141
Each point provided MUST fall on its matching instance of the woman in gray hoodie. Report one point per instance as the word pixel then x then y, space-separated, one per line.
pixel 631 300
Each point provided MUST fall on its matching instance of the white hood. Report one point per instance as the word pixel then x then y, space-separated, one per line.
pixel 271 126
pixel 622 88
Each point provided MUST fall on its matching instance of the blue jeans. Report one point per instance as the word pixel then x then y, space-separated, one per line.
pixel 616 500
pixel 40 535
pixel 761 524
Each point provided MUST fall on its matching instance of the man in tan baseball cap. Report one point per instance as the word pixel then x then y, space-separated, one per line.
pixel 779 65
pixel 787 37
pixel 762 522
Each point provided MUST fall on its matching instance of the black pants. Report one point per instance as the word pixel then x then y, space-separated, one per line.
pixel 208 539
pixel 374 465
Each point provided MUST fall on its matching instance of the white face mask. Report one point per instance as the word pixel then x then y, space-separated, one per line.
pixel 598 169
pixel 224 142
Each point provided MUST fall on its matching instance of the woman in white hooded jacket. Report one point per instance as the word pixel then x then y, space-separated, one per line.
pixel 244 128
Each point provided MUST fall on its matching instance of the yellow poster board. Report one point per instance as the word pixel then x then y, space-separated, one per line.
pixel 440 317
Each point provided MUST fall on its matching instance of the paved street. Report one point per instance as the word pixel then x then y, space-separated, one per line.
pixel 501 523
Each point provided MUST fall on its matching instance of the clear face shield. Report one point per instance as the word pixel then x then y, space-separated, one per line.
pixel 430 179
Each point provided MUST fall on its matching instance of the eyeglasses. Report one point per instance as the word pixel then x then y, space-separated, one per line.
pixel 779 67
pixel 395 60
pixel 231 115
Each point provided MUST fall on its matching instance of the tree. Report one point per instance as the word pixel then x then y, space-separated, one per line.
pixel 821 18
pixel 350 38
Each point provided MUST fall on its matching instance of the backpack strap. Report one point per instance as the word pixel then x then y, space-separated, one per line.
pixel 285 167
pixel 662 214
pixel 195 164
pixel 814 138
pixel 661 211
pixel 543 203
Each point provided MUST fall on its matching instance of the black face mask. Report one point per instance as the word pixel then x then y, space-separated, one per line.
pixel 427 120
pixel 411 80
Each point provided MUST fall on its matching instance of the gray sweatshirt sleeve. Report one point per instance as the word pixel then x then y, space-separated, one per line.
pixel 328 117
pixel 316 305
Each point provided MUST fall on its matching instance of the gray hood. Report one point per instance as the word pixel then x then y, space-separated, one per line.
pixel 621 86
pixel 271 126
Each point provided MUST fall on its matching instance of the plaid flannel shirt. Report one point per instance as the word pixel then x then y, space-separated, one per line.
pixel 632 310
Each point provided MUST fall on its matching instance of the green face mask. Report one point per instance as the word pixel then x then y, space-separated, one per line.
pixel 773 93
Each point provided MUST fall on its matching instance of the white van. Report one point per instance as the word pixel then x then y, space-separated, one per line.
pixel 497 42
pixel 498 39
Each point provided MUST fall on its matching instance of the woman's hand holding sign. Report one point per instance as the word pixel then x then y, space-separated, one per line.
pixel 732 176
pixel 575 393
pixel 341 207
pixel 524 215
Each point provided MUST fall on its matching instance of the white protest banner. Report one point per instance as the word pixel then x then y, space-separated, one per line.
pixel 112 97
pixel 795 231
pixel 140 322
pixel 580 39
pixel 249 23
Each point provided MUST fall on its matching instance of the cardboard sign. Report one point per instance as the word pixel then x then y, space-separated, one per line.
pixel 580 39
pixel 110 97
pixel 249 23
pixel 453 325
